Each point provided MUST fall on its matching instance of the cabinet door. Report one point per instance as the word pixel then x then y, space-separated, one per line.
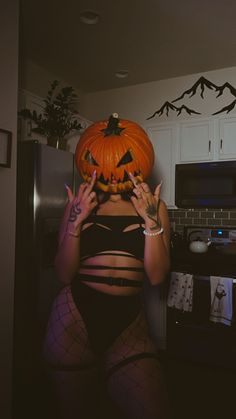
pixel 163 140
pixel 227 141
pixel 196 141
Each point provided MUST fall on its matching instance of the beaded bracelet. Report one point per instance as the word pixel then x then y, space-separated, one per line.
pixel 156 233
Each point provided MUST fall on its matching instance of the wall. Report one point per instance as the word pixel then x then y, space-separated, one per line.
pixel 36 79
pixel 34 83
pixel 211 217
pixel 141 101
pixel 8 121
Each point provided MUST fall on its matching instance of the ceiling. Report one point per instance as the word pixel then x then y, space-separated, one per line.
pixel 151 39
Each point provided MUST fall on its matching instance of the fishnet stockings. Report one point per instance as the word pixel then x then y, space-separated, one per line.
pixel 66 342
pixel 139 391
pixel 133 340
pixel 136 386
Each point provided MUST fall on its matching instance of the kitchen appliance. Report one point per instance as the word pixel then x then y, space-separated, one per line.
pixel 191 335
pixel 198 245
pixel 42 172
pixel 206 185
pixel 220 238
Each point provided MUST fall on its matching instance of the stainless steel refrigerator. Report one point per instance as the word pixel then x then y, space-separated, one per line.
pixel 42 172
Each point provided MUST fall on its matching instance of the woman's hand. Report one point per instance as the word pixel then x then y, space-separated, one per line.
pixel 81 205
pixel 146 203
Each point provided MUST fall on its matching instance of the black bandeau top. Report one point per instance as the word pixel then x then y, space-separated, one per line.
pixel 106 233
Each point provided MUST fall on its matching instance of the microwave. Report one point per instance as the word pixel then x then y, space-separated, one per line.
pixel 206 185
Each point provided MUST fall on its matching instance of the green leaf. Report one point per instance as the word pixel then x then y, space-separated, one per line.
pixel 58 117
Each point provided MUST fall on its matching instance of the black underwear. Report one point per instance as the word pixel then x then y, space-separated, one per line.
pixel 105 315
pixel 109 280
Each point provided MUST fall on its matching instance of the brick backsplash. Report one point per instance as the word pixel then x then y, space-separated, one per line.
pixel 213 217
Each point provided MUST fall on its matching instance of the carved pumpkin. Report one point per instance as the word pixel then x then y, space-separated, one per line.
pixel 114 149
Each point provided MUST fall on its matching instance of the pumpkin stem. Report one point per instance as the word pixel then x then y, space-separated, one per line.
pixel 112 126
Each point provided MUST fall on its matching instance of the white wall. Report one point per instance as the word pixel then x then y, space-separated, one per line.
pixel 139 102
pixel 37 80
pixel 8 121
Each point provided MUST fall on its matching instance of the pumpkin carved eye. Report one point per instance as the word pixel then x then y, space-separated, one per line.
pixel 89 158
pixel 127 158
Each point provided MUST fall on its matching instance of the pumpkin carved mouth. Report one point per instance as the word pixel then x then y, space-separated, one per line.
pixel 113 185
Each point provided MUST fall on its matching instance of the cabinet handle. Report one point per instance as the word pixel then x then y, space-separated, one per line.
pixel 209 146
pixel 221 145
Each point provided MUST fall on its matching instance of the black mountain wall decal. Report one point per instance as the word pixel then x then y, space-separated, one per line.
pixel 165 108
pixel 227 108
pixel 188 110
pixel 224 86
pixel 169 106
pixel 203 84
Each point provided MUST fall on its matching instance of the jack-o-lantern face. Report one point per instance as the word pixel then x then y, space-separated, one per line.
pixel 114 149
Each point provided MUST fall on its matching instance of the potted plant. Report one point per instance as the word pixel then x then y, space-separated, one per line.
pixel 58 117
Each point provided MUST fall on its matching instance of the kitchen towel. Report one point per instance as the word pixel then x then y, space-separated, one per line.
pixel 180 294
pixel 221 300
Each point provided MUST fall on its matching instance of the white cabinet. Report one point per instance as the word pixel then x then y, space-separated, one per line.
pixel 207 139
pixel 163 138
pixel 196 141
pixel 227 138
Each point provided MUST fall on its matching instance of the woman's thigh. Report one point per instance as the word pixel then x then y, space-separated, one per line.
pixel 133 341
pixel 134 374
pixel 66 341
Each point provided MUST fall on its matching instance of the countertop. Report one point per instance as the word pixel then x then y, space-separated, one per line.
pixel 212 262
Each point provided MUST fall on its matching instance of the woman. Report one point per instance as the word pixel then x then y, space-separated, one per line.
pixel 109 243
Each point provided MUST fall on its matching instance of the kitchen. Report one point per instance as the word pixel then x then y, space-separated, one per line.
pixel 146 99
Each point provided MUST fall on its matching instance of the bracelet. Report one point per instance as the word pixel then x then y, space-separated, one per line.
pixel 156 233
pixel 72 234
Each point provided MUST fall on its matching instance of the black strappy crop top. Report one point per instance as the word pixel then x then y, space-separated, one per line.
pixel 106 233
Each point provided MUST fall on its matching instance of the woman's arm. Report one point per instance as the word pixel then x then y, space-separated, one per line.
pixel 67 257
pixel 77 210
pixel 156 251
pixel 157 231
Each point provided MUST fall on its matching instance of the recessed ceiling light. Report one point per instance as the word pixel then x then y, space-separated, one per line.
pixel 121 74
pixel 89 17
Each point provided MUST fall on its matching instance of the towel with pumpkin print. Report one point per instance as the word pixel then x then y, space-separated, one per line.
pixel 180 294
pixel 221 300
